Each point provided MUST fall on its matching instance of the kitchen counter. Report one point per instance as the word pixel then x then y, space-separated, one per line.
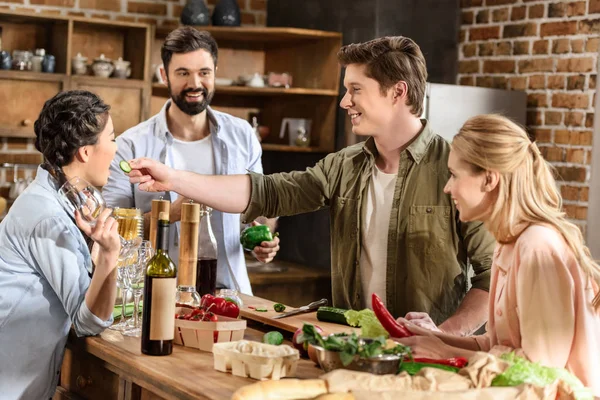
pixel 111 366
pixel 288 282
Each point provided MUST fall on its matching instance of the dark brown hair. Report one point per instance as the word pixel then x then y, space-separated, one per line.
pixel 187 39
pixel 389 60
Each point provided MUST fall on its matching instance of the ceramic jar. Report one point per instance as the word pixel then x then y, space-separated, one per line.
pixel 226 13
pixel 102 66
pixel 122 68
pixel 195 12
pixel 79 65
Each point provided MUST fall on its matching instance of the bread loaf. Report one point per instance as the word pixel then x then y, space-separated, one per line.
pixel 285 389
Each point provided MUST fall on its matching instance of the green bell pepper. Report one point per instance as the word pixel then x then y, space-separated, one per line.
pixel 253 236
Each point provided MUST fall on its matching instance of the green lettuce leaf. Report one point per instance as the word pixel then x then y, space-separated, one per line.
pixel 368 322
pixel 524 371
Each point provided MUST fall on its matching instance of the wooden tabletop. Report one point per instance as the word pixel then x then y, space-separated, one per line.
pixel 185 374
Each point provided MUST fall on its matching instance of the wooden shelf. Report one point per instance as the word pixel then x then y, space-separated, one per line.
pixel 24 132
pixel 258 34
pixel 31 76
pixel 110 82
pixel 266 91
pixel 297 149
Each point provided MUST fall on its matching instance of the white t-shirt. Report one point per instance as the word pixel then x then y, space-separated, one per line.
pixel 376 213
pixel 196 156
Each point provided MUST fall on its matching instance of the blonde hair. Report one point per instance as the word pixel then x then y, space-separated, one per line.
pixel 527 191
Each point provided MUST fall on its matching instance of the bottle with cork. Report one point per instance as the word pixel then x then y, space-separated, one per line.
pixel 188 254
pixel 158 206
pixel 160 286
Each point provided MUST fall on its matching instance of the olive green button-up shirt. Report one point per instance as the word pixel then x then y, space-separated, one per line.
pixel 428 250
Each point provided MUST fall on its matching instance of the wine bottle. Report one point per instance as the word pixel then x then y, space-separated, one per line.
pixel 160 285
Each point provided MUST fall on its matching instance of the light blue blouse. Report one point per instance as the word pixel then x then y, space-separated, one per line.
pixel 45 270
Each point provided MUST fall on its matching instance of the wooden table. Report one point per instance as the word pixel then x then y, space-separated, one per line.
pixel 111 366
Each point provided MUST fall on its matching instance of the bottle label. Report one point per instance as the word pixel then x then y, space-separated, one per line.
pixel 162 311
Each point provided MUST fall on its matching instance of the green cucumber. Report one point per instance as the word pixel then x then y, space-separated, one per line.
pixel 332 314
pixel 125 167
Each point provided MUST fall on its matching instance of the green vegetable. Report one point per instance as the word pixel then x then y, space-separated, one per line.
pixel 524 371
pixel 413 367
pixel 349 345
pixel 253 236
pixel 273 337
pixel 332 314
pixel 368 322
pixel 261 309
pixel 279 307
pixel 125 167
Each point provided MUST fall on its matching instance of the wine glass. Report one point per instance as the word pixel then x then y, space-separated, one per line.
pixel 136 273
pixel 78 194
pixel 125 286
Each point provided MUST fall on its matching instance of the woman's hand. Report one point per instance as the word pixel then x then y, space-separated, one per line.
pixel 430 347
pixel 105 232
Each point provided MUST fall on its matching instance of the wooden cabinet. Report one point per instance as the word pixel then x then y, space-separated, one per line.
pixel 308 55
pixel 23 93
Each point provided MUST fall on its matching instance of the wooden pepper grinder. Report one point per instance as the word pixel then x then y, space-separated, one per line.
pixel 188 254
pixel 158 206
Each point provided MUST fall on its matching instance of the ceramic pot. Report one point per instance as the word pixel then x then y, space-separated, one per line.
pixel 195 12
pixel 102 66
pixel 226 13
pixel 122 68
pixel 79 64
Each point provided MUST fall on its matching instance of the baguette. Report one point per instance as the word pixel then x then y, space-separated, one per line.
pixel 285 389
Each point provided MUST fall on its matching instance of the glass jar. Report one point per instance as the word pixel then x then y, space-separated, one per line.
pixel 131 222
pixel 187 295
pixel 231 294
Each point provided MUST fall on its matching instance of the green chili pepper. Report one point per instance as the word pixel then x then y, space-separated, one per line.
pixel 255 235
pixel 279 307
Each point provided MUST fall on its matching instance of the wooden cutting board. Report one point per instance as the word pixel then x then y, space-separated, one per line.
pixel 289 324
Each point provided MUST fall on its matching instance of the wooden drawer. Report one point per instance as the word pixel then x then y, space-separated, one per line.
pixel 87 376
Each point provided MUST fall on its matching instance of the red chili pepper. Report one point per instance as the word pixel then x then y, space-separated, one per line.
pixel 394 328
pixel 459 362
pixel 220 306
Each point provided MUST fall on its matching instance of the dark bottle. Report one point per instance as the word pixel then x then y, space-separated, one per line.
pixel 160 286
pixel 206 269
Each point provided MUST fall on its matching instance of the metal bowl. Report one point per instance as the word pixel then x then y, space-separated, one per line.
pixel 383 364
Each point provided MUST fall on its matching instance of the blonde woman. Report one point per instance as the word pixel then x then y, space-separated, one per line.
pixel 544 286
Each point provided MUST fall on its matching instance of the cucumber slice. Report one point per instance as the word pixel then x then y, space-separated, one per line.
pixel 331 314
pixel 125 167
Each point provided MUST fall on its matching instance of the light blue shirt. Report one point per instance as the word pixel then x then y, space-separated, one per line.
pixel 236 150
pixel 45 269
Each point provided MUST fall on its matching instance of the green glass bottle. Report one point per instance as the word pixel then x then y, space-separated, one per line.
pixel 160 286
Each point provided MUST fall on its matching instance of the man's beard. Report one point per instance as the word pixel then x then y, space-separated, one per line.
pixel 195 107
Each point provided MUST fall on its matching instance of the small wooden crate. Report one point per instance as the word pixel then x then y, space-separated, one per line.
pixel 201 334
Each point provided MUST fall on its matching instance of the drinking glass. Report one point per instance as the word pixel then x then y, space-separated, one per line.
pixel 136 273
pixel 78 194
pixel 125 286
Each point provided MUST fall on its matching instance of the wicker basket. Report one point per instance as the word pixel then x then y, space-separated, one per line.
pixel 202 335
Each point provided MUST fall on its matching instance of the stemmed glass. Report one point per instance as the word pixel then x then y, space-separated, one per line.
pixel 125 286
pixel 79 194
pixel 136 272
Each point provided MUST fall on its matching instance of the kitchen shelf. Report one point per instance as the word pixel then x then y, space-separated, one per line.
pixel 26 133
pixel 297 149
pixel 266 91
pixel 31 76
pixel 108 82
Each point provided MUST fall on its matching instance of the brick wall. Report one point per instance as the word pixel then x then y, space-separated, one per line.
pixel 158 12
pixel 550 50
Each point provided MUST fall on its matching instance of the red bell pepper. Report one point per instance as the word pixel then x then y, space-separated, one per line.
pixel 458 362
pixel 220 306
pixel 394 328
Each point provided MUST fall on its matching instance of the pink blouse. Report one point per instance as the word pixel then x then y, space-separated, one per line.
pixel 540 303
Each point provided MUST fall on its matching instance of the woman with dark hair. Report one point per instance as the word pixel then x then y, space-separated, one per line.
pixel 46 281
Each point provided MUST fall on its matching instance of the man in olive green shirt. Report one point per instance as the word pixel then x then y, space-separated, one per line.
pixel 393 230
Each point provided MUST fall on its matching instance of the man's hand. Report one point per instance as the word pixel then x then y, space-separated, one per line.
pixel 422 320
pixel 430 347
pixel 151 175
pixel 267 250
